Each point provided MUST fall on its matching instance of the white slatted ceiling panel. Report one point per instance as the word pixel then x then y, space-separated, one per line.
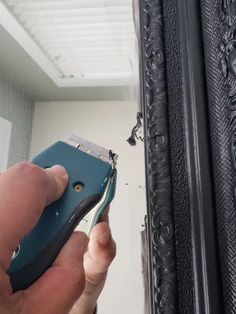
pixel 83 38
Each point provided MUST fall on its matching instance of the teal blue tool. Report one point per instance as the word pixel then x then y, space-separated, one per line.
pixel 92 182
pixel 108 197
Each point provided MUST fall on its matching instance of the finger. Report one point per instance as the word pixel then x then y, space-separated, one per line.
pixel 25 190
pixel 59 288
pixel 101 250
pixel 105 216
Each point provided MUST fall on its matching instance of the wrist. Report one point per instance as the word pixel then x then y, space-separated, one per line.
pixel 84 306
pixel 87 302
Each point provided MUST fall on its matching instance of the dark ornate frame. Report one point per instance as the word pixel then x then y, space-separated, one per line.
pixel 188 78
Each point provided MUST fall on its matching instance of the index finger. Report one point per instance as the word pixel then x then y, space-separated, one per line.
pixel 25 190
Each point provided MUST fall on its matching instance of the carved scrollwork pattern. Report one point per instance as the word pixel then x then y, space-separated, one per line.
pixel 228 66
pixel 228 60
pixel 161 224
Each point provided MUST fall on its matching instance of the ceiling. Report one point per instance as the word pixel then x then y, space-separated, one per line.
pixel 88 64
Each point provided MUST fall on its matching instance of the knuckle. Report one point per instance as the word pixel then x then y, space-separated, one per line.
pixel 113 250
pixel 77 279
pixel 111 253
pixel 73 279
pixel 26 166
pixel 33 171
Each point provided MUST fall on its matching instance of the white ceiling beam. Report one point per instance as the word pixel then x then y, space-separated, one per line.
pixel 83 35
pixel 74 22
pixel 69 4
pixel 85 31
pixel 95 81
pixel 84 25
pixel 84 28
pixel 94 60
pixel 94 42
pixel 14 28
pixel 95 49
pixel 82 12
pixel 71 72
pixel 112 75
pixel 86 38
pixel 101 67
pixel 90 63
pixel 76 56
pixel 91 59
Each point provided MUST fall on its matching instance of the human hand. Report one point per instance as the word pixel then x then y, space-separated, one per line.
pixel 101 251
pixel 25 190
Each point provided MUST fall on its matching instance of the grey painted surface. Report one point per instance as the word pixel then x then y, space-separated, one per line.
pixel 18 108
pixel 25 74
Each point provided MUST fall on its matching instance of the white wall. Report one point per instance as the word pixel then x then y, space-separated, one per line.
pixel 109 125
pixel 5 138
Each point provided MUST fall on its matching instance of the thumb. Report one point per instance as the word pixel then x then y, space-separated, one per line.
pixel 63 283
pixel 101 250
